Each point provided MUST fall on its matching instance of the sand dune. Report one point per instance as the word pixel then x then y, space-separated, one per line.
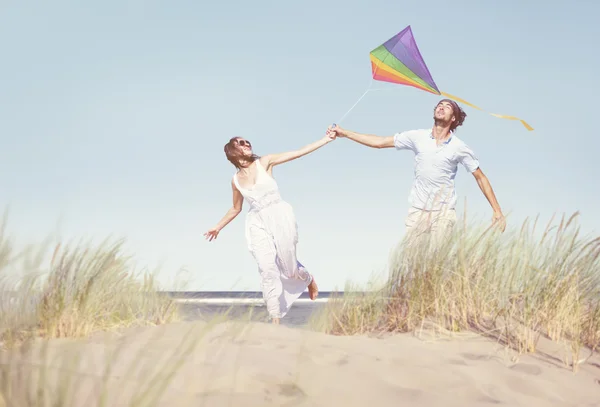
pixel 264 365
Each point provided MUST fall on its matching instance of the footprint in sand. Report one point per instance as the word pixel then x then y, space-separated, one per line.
pixel 527 388
pixel 457 362
pixel 291 390
pixel 488 394
pixel 247 342
pixel 489 400
pixel 407 394
pixel 527 368
pixel 343 361
pixel 324 356
pixel 475 356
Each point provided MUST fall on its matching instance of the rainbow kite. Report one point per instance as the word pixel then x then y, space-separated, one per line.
pixel 399 61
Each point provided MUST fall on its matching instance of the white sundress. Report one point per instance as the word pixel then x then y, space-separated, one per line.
pixel 272 235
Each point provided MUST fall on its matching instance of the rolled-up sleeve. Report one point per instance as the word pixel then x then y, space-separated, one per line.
pixel 404 141
pixel 467 158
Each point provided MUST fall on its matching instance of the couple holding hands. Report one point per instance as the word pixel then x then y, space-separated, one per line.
pixel 271 230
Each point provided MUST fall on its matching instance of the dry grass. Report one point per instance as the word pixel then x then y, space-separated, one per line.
pixel 108 370
pixel 79 293
pixel 50 292
pixel 514 286
pixel 80 290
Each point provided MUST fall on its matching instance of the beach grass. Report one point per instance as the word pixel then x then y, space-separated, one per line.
pixel 514 287
pixel 80 293
pixel 73 291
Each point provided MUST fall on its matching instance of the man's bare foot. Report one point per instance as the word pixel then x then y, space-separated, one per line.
pixel 313 290
pixel 275 321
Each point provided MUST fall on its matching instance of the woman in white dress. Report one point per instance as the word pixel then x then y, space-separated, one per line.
pixel 271 230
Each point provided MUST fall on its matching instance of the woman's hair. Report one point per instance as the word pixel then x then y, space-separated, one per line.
pixel 236 156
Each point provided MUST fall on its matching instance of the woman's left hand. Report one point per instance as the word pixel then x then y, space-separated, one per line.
pixel 212 234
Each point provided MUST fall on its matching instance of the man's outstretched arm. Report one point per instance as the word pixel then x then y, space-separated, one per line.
pixel 369 140
pixel 488 191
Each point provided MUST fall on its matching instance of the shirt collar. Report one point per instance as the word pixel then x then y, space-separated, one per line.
pixel 445 142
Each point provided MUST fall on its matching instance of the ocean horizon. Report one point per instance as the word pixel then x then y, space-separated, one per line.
pixel 238 297
pixel 204 305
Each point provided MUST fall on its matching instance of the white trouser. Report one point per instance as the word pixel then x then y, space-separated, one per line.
pixel 438 223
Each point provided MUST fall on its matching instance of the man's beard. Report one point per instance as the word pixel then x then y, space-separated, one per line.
pixel 441 122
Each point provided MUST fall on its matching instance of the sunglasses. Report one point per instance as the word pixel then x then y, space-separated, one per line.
pixel 244 143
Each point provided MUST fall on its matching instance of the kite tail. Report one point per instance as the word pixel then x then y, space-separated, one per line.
pixel 501 116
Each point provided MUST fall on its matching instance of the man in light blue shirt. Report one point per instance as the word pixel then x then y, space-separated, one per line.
pixel 438 151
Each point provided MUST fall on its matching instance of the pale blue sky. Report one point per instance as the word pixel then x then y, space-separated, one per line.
pixel 113 118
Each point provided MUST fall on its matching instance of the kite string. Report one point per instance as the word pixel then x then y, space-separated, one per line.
pixel 369 89
pixel 357 102
pixel 353 106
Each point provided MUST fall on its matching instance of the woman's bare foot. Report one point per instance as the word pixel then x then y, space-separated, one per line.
pixel 313 290
pixel 275 321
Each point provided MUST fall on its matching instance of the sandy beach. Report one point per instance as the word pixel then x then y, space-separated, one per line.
pixel 235 364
